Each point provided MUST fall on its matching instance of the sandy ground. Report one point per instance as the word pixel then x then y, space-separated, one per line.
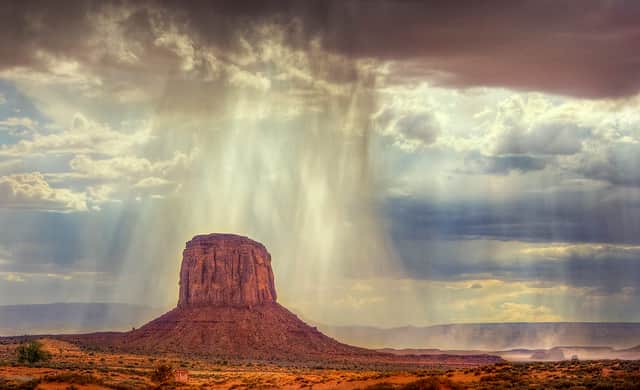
pixel 134 371
pixel 72 368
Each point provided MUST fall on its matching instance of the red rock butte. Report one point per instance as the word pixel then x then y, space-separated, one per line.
pixel 227 308
pixel 225 270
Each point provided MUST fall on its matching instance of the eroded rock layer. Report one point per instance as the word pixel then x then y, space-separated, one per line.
pixel 262 332
pixel 225 270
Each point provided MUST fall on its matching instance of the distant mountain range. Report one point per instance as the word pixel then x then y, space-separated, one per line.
pixel 491 336
pixel 528 355
pixel 17 320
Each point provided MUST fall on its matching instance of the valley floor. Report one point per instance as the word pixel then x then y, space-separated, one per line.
pixel 73 368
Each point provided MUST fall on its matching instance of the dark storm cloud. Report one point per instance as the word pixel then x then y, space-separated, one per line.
pixel 557 46
pixel 577 48
pixel 618 166
pixel 502 165
pixel 570 217
pixel 27 27
pixel 608 269
pixel 554 138
pixel 422 127
pixel 453 241
pixel 52 242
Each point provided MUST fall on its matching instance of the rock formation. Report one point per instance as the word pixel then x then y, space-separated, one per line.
pixel 225 270
pixel 227 309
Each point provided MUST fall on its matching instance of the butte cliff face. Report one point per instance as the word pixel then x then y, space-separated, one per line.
pixel 225 270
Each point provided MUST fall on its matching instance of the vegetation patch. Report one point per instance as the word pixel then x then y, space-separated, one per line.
pixel 32 352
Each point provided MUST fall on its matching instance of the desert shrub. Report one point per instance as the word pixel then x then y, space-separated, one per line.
pixel 12 385
pixel 32 352
pixel 29 385
pixel 162 374
pixel 381 386
pixel 431 384
pixel 73 378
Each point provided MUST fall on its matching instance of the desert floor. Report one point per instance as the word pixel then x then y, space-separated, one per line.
pixel 72 368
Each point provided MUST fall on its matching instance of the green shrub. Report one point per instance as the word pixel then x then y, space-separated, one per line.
pixel 32 352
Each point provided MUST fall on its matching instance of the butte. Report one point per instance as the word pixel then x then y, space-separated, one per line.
pixel 227 308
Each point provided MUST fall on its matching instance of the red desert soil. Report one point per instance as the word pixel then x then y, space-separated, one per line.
pixel 71 367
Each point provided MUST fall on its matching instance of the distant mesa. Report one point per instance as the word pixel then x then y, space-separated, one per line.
pixel 554 354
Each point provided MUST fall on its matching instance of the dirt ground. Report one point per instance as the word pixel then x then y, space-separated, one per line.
pixel 72 368
pixel 69 366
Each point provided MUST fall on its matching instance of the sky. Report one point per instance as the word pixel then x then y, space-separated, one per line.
pixel 405 163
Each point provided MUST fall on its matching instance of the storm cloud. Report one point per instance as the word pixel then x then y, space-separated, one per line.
pixel 547 46
pixel 392 155
pixel 569 217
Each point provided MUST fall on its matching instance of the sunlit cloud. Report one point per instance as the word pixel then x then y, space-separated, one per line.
pixel 519 312
pixel 11 277
pixel 31 191
pixel 82 137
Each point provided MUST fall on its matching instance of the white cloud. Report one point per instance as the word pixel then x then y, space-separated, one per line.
pixel 56 72
pixel 562 251
pixel 112 168
pixel 152 182
pixel 31 191
pixel 497 143
pixel 18 125
pixel 20 277
pixel 242 78
pixel 12 277
pixel 117 178
pixel 615 162
pixel 131 168
pixel 531 124
pixel 421 127
pixel 83 136
pixel 59 276
pixel 410 128
pixel 100 193
pixel 521 312
pixel 104 161
pixel 181 45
